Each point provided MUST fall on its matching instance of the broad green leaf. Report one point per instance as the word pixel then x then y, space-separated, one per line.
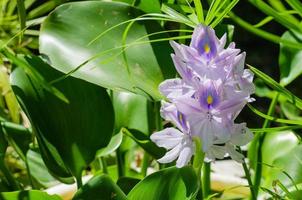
pixel 130 111
pixel 28 195
pixel 94 51
pixel 127 183
pixel 73 131
pixel 100 187
pixel 38 169
pixel 285 163
pixel 290 60
pixel 148 6
pixel 167 184
pixel 144 141
pixel 114 143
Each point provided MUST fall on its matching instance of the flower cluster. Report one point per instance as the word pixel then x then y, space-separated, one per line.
pixel 212 90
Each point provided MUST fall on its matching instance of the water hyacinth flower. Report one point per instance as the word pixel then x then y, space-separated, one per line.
pixel 212 90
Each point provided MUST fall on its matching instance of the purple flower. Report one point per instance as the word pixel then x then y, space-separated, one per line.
pixel 212 90
pixel 177 141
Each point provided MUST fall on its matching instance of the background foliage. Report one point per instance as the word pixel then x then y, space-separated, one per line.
pixel 79 96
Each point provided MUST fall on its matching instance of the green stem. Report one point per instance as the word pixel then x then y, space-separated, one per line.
pixel 206 180
pixel 104 165
pixel 198 162
pixel 259 139
pixel 261 33
pixel 248 177
pixel 79 181
pixel 145 164
pixel 120 163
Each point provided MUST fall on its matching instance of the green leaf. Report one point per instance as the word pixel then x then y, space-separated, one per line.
pixel 144 141
pixel 114 143
pixel 276 86
pixel 286 20
pixel 148 6
pixel 38 169
pixel 94 51
pixel 264 34
pixel 177 16
pixel 290 60
pixel 130 111
pixel 73 131
pixel 127 183
pixel 100 187
pixel 296 4
pixel 285 163
pixel 169 184
pixel 18 137
pixel 28 195
pixel 290 111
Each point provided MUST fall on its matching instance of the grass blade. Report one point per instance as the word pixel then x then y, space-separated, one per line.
pixel 278 87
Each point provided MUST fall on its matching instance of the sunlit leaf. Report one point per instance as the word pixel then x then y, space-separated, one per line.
pixel 285 163
pixel 28 195
pixel 114 143
pixel 169 184
pixel 97 55
pixel 290 60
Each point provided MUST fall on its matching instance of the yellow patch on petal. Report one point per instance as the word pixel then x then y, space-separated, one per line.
pixel 180 117
pixel 209 100
pixel 207 48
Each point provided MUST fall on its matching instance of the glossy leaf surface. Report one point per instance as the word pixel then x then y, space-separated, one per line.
pixel 28 195
pixel 169 184
pixel 284 163
pixel 69 42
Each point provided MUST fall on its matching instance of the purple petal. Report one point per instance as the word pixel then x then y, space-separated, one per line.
pixel 173 88
pixel 184 156
pixel 170 113
pixel 167 138
pixel 187 105
pixel 205 41
pixel 171 155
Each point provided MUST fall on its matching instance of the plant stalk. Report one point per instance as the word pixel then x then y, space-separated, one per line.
pixel 206 180
pixel 259 139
